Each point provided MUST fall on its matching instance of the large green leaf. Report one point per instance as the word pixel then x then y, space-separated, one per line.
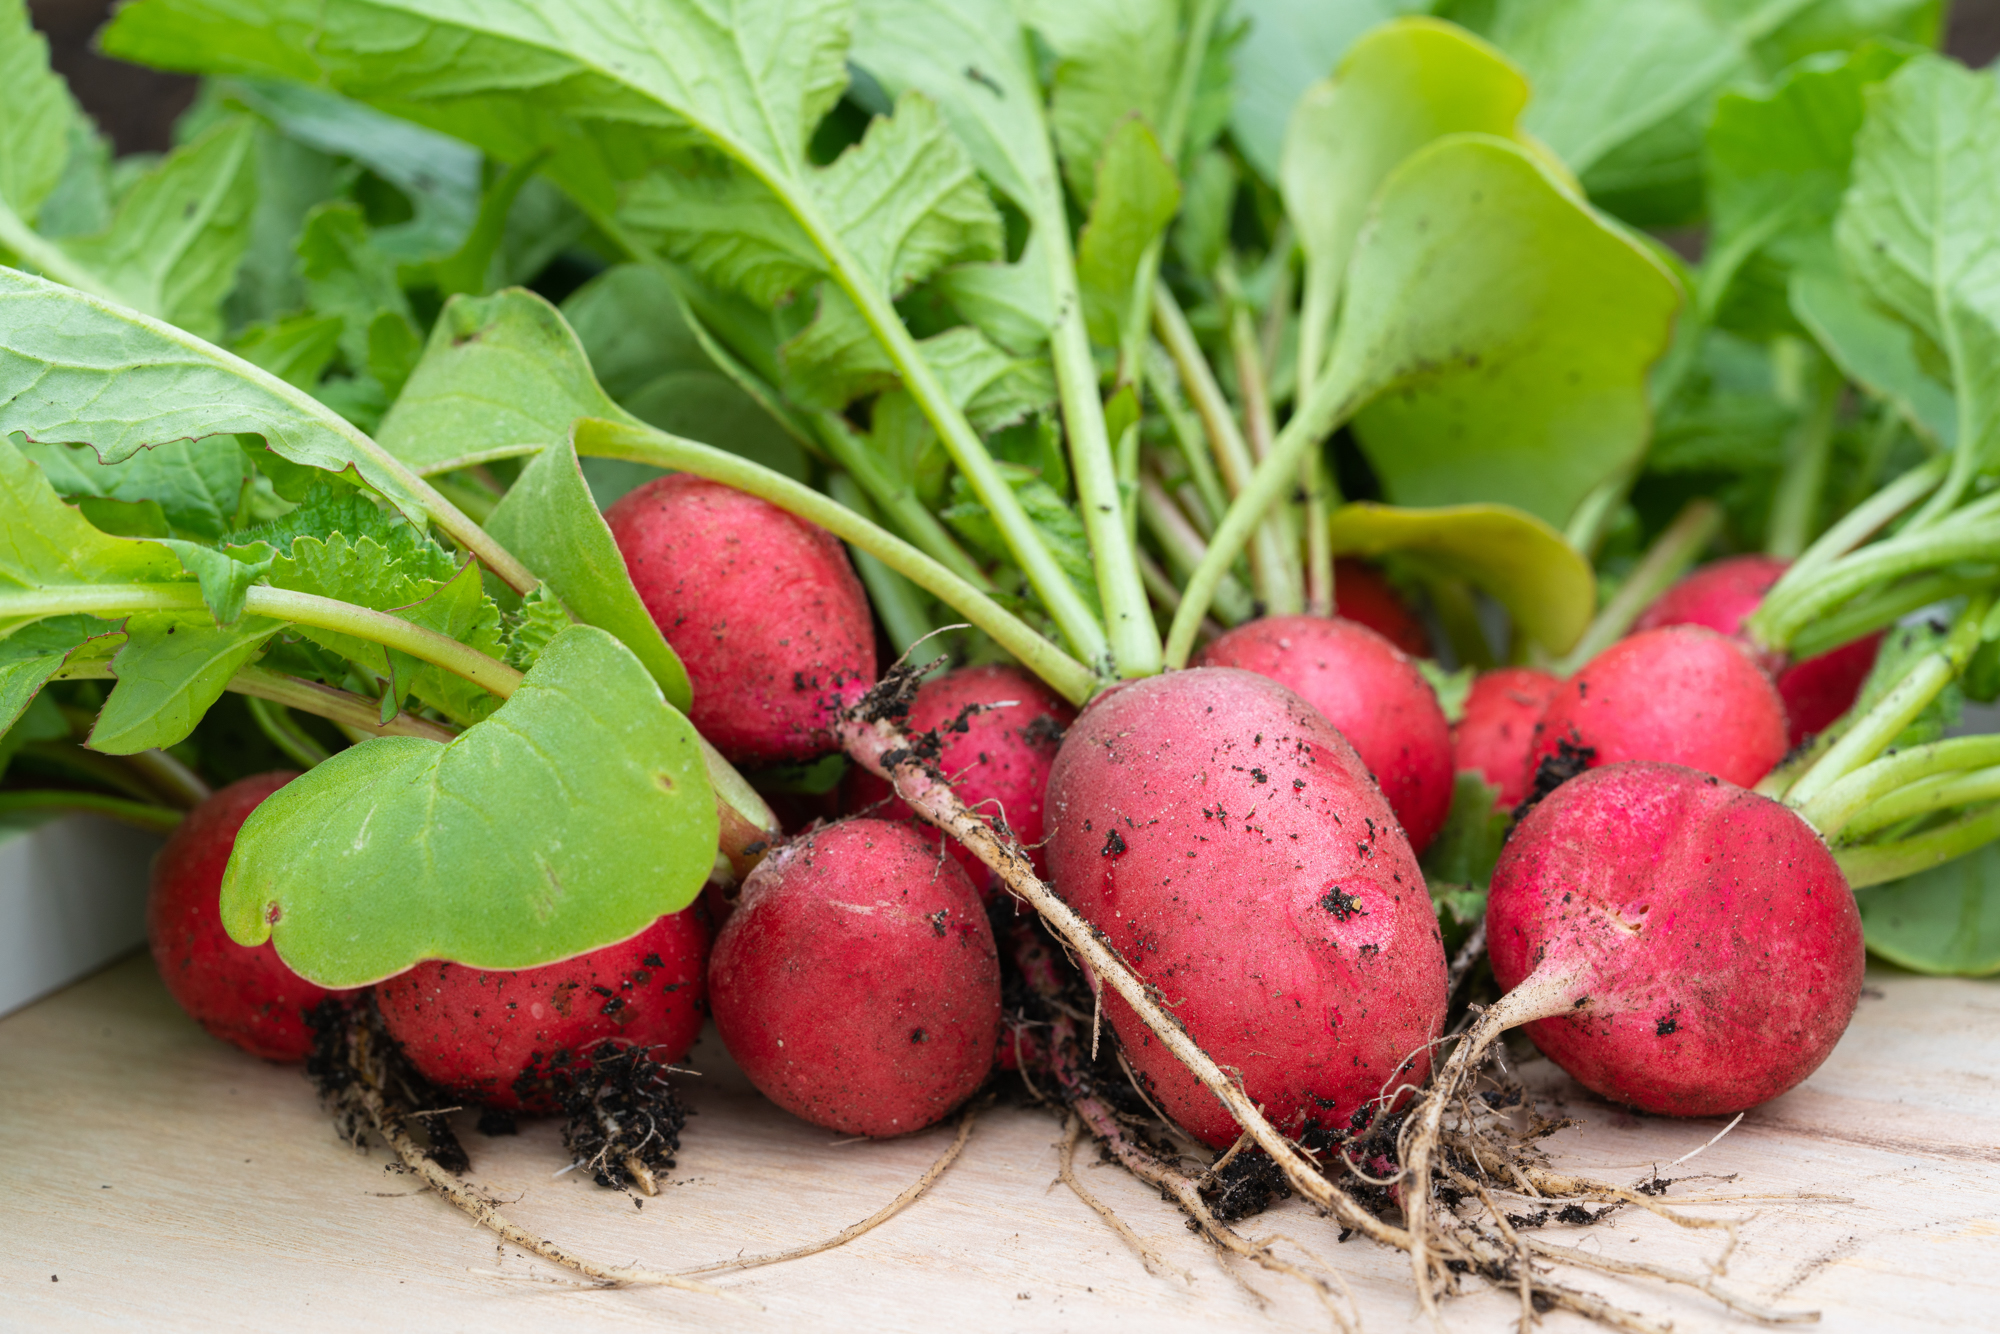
pixel 37 110
pixel 1523 563
pixel 1115 59
pixel 1137 195
pixel 582 803
pixel 198 484
pixel 1874 349
pixel 1917 228
pixel 1944 920
pixel 75 369
pixel 32 654
pixel 1289 46
pixel 1400 87
pixel 1505 332
pixel 549 519
pixel 171 669
pixel 502 375
pixel 47 548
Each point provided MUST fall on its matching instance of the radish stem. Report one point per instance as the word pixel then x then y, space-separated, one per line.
pixel 1673 552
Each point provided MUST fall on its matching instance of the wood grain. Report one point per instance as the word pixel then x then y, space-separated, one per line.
pixel 151 1177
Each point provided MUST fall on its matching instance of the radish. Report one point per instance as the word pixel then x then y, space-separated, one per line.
pixel 244 995
pixel 763 608
pixel 1723 594
pixel 1226 838
pixel 1362 595
pixel 857 983
pixel 1371 691
pixel 1496 733
pixel 512 1039
pixel 1682 694
pixel 999 729
pixel 1695 949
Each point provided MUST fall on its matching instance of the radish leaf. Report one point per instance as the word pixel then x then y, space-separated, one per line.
pixel 171 669
pixel 583 803
pixel 1942 921
pixel 1290 45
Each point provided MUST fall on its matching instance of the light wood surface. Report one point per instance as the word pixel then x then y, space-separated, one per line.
pixel 152 1178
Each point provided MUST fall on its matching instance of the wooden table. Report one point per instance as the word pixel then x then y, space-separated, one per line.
pixel 152 1178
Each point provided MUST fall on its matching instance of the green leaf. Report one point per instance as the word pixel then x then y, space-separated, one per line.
pixel 1137 195
pixel 583 802
pixel 76 370
pixel 1115 59
pixel 1942 921
pixel 1404 85
pixel 549 520
pixel 1504 331
pixel 296 349
pixel 1525 565
pixel 1874 349
pixel 1469 844
pixel 38 721
pixel 32 654
pixel 170 670
pixel 1917 230
pixel 542 618
pixel 292 179
pixel 177 236
pixel 198 484
pixel 225 576
pixel 48 548
pixel 1012 304
pixel 347 276
pixel 1290 45
pixel 502 375
pixel 438 174
pixel 36 108
pixel 992 388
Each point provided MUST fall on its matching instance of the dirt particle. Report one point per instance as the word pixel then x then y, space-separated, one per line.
pixel 1114 846
pixel 1341 904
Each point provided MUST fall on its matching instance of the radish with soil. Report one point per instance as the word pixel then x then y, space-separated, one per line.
pixel 997 729
pixel 246 996
pixel 515 1040
pixel 857 983
pixel 1228 841
pixel 1366 687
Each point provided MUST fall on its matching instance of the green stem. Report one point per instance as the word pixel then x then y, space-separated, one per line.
pixel 896 600
pixel 275 722
pixel 1861 523
pixel 1231 451
pixel 1598 510
pixel 45 257
pixel 1676 549
pixel 139 814
pixel 643 444
pixel 1188 438
pixel 1852 805
pixel 279 604
pixel 1878 863
pixel 918 525
pixel 1784 613
pixel 1877 611
pixel 180 785
pixel 1941 792
pixel 1807 450
pixel 1322 495
pixel 1183 547
pixel 341 707
pixel 1336 397
pixel 1896 710
pixel 93 767
pixel 1280 584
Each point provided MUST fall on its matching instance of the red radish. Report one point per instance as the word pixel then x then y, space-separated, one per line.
pixel 1680 695
pixel 1723 594
pixel 1371 691
pixel 1362 595
pixel 506 1038
pixel 857 982
pixel 1228 841
pixel 243 995
pixel 1497 731
pixel 997 758
pixel 1699 950
pixel 763 608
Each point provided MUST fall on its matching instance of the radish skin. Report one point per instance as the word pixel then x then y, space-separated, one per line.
pixel 1496 734
pixel 1228 842
pixel 1371 691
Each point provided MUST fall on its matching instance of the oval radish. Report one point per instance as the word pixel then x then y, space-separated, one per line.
pixel 857 982
pixel 1680 695
pixel 1496 734
pixel 1223 836
pixel 1362 595
pixel 763 608
pixel 510 1038
pixel 1371 691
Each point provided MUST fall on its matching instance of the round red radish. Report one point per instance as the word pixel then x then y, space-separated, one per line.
pixel 998 758
pixel 763 609
pixel 1228 841
pixel 1497 731
pixel 1362 595
pixel 244 995
pixel 1722 595
pixel 1714 947
pixel 510 1038
pixel 1371 691
pixel 857 982
pixel 1679 695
